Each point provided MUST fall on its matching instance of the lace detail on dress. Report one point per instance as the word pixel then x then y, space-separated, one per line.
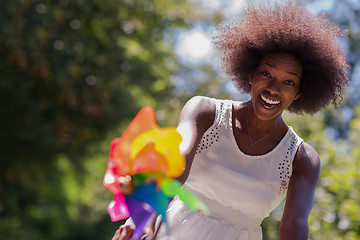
pixel 284 168
pixel 212 134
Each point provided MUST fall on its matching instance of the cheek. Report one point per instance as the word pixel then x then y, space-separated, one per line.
pixel 291 95
pixel 258 84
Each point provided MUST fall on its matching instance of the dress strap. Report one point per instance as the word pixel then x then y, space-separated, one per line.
pixel 294 143
pixel 222 114
pixel 223 111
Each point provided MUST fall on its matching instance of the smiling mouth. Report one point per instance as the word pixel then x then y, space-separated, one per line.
pixel 270 102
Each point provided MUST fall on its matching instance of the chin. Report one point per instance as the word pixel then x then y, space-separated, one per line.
pixel 266 112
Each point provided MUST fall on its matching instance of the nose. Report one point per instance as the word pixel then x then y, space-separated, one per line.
pixel 273 86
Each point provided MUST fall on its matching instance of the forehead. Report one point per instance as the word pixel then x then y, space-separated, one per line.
pixel 282 60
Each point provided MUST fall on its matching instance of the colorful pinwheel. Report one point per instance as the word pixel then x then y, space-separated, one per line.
pixel 140 172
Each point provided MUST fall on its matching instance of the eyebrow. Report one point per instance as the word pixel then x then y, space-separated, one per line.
pixel 272 66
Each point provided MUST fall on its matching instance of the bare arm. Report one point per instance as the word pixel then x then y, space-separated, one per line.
pixel 300 195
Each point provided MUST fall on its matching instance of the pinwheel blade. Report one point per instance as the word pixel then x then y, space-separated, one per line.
pixel 118 209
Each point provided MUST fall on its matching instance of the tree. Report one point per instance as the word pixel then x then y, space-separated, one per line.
pixel 73 74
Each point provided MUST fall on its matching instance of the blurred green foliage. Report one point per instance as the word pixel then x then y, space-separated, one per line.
pixel 73 75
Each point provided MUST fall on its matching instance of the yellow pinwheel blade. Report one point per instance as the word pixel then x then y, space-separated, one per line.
pixel 165 142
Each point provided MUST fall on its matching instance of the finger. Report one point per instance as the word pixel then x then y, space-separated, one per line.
pixel 126 232
pixel 116 235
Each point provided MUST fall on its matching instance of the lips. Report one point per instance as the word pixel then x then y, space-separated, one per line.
pixel 269 103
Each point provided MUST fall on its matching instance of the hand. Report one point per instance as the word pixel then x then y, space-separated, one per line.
pixel 125 232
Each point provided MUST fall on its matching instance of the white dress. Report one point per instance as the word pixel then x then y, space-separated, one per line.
pixel 240 190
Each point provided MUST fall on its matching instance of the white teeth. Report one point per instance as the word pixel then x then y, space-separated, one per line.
pixel 269 101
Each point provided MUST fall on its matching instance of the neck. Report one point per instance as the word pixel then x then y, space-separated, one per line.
pixel 260 126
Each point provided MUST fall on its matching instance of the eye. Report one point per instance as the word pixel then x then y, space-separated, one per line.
pixel 266 74
pixel 290 82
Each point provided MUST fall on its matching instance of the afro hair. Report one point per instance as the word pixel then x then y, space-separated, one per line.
pixel 286 27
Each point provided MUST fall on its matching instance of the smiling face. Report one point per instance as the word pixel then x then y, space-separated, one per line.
pixel 275 85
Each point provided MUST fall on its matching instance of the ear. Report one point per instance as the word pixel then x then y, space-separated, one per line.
pixel 250 78
pixel 298 95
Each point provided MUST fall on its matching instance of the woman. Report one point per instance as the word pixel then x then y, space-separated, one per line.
pixel 242 159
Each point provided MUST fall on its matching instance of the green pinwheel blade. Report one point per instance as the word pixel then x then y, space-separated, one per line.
pixel 171 187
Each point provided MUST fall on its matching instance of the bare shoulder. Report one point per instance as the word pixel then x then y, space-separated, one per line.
pixel 307 161
pixel 199 110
